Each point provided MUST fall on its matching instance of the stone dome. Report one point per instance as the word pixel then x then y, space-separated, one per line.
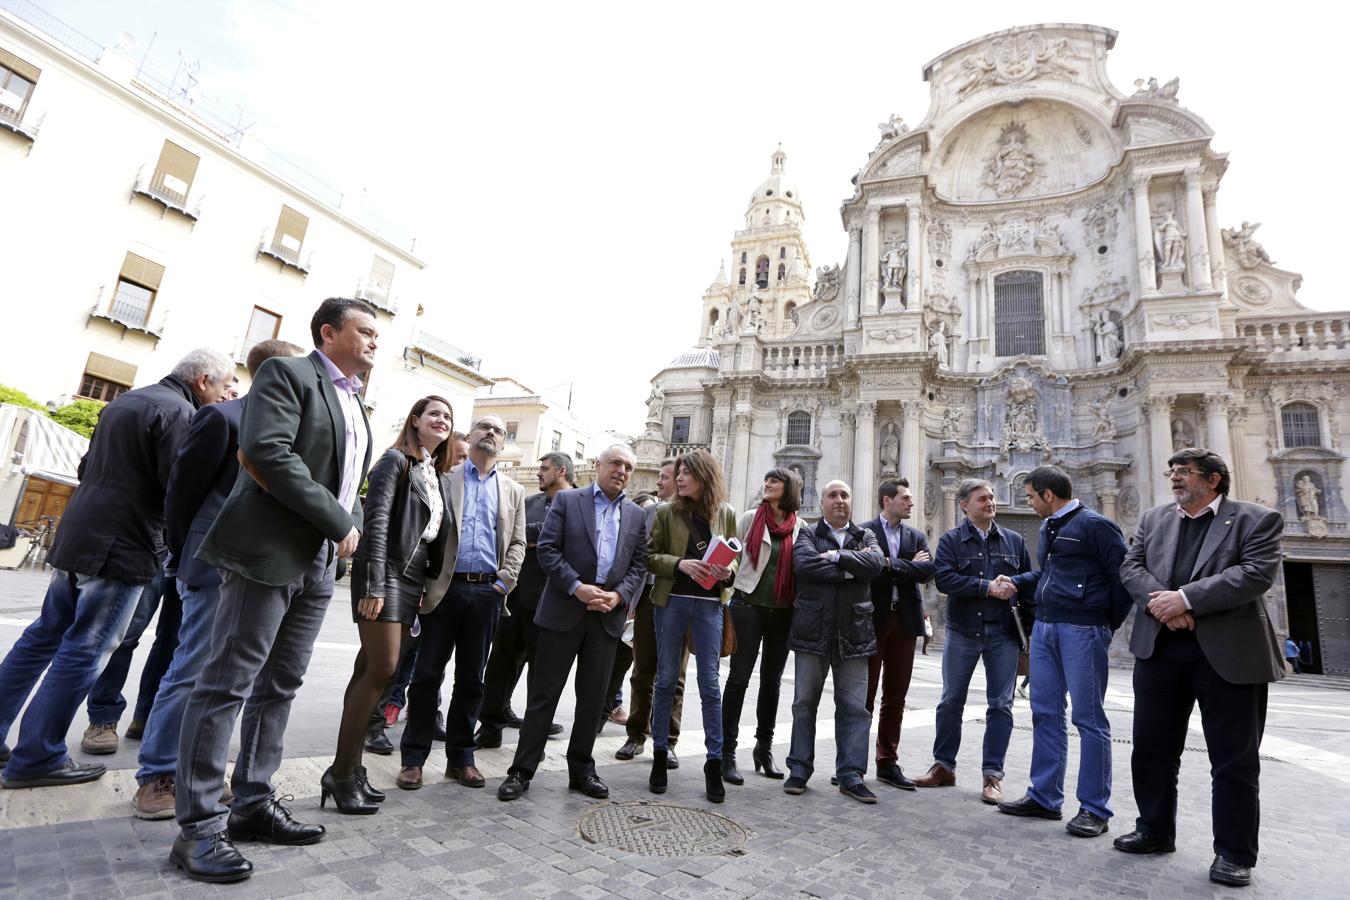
pixel 697 358
pixel 778 186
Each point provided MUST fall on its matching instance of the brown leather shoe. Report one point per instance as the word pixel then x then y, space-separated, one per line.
pixel 469 776
pixel 993 790
pixel 409 778
pixel 937 776
pixel 618 716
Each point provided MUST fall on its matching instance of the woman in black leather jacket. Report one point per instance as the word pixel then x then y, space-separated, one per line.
pixel 407 505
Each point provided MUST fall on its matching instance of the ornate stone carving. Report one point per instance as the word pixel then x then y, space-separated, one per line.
pixel 1149 90
pixel 655 401
pixel 824 318
pixel 1306 493
pixel 1100 223
pixel 1246 248
pixel 893 127
pixel 1180 321
pixel 1182 437
pixel 1109 343
pixel 827 284
pixel 1129 505
pixel 1017 59
pixel 867 409
pixel 951 422
pixel 1082 131
pixel 895 264
pixel 1013 167
pixel 1169 240
pixel 937 343
pixel 930 500
pixel 1253 290
pixel 1103 424
pixel 890 449
pixel 939 239
pixel 891 335
pixel 847 421
pixel 1105 291
pixel 1022 430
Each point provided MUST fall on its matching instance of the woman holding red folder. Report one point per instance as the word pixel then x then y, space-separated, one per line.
pixel 681 534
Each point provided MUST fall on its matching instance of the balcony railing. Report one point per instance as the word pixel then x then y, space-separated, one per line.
pixel 802 360
pixel 446 350
pixel 129 310
pixel 768 229
pixel 278 247
pixel 24 123
pixel 673 450
pixel 168 191
pixel 377 295
pixel 1305 334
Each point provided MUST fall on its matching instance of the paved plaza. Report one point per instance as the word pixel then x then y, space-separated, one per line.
pixel 447 840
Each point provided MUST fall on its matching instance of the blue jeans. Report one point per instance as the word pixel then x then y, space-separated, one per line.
pixel 999 651
pixel 106 703
pixel 83 619
pixel 159 745
pixel 701 617
pixel 852 721
pixel 1070 658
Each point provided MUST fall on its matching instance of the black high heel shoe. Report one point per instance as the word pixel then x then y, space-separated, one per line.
pixel 375 794
pixel 347 795
pixel 731 774
pixel 763 757
pixel 657 780
pixel 712 777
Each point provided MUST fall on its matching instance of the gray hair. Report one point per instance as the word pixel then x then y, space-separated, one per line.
pixel 617 450
pixel 970 486
pixel 214 365
pixel 562 462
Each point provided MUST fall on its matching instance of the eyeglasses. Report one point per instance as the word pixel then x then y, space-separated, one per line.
pixel 1180 472
pixel 491 428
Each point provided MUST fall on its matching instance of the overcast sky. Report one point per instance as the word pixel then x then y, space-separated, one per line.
pixel 574 171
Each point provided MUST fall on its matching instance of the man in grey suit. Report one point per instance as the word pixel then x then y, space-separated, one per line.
pixel 304 446
pixel 1198 571
pixel 594 551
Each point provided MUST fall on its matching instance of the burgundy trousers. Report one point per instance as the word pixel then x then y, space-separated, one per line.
pixel 891 667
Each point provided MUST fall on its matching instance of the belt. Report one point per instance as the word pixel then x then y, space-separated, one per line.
pixel 475 577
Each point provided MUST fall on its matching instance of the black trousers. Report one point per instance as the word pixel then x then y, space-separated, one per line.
pixel 512 647
pixel 755 625
pixel 1167 686
pixel 623 661
pixel 592 648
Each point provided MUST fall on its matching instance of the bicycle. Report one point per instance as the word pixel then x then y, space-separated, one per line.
pixel 39 542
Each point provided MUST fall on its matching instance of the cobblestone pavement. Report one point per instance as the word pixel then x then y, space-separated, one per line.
pixel 447 840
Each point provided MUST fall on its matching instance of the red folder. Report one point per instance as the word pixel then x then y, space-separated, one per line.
pixel 720 552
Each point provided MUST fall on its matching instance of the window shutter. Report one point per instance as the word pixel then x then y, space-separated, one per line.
pixel 293 225
pixel 139 270
pixel 176 168
pixel 18 66
pixel 381 274
pixel 110 369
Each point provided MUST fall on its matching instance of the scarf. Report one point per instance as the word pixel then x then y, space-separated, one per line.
pixel 784 586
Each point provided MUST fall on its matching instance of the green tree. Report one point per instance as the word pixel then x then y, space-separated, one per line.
pixel 80 416
pixel 17 397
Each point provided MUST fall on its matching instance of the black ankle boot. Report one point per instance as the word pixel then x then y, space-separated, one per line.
pixel 347 795
pixel 712 774
pixel 731 774
pixel 657 780
pixel 763 757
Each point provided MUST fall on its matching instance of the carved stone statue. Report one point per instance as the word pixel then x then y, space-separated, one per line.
pixel 1013 167
pixel 890 450
pixel 654 404
pixel 756 317
pixel 1022 430
pixel 1249 251
pixel 892 128
pixel 827 283
pixel 732 327
pixel 1151 91
pixel 893 265
pixel 1109 343
pixel 1103 425
pixel 1306 493
pixel 937 342
pixel 951 422
pixel 1170 241
pixel 1181 435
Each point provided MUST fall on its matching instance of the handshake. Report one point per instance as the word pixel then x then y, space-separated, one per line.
pixel 1003 588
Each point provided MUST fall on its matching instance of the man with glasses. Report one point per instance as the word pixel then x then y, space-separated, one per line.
pixel 1080 603
pixel 483 552
pixel 1197 572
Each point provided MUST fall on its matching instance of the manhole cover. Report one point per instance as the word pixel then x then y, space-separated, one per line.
pixel 661 829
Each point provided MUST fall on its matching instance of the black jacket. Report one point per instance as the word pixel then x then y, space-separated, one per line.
pixel 966 563
pixel 530 583
pixel 903 573
pixel 202 476
pixel 114 525
pixel 1079 580
pixel 396 513
pixel 833 613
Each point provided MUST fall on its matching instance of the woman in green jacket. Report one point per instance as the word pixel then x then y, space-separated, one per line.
pixel 681 533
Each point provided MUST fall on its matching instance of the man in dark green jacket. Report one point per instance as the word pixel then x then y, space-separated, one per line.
pixel 304 445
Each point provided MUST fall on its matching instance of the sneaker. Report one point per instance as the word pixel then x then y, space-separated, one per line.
pixel 135 730
pixel 155 799
pixel 100 739
pixel 391 714
pixel 858 792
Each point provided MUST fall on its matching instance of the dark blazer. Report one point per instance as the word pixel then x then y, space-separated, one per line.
pixel 293 433
pixel 567 552
pixel 833 610
pixel 1236 566
pixel 114 525
pixel 530 583
pixel 396 513
pixel 903 573
pixel 201 479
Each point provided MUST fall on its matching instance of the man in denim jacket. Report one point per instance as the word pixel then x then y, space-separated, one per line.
pixel 981 624
pixel 1080 602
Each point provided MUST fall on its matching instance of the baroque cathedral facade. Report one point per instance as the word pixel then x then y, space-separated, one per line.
pixel 1037 272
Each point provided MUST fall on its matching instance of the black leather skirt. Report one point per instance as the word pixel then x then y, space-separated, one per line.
pixel 402 593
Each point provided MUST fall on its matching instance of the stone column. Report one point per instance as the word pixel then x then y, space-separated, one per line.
pixel 847 426
pixel 1216 424
pixel 1237 439
pixel 912 463
pixel 1160 445
pixel 1218 273
pixel 740 458
pixel 1197 261
pixel 871 260
pixel 915 260
pixel 1107 498
pixel 853 281
pixel 1143 235
pixel 864 450
pixel 948 509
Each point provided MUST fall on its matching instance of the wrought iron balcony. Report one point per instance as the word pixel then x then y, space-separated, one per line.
pixel 279 247
pixel 23 123
pixel 128 310
pixel 377 295
pixel 446 351
pixel 167 191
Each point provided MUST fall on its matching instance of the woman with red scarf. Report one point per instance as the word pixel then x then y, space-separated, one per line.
pixel 761 610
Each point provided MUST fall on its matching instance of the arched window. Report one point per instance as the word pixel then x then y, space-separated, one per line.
pixel 1017 494
pixel 713 316
pixel 790 312
pixel 1301 425
pixel 782 271
pixel 1019 313
pixel 762 272
pixel 799 428
pixel 742 280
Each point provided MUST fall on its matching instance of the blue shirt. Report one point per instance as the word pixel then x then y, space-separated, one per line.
pixel 607 514
pixel 478 523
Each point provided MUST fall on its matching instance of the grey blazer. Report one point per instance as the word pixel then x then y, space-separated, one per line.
pixel 510 536
pixel 567 552
pixel 1236 566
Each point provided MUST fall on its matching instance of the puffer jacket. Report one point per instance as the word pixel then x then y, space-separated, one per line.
pixel 833 612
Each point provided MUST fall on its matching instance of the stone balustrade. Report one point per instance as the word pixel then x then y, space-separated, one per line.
pixel 802 360
pixel 1305 333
